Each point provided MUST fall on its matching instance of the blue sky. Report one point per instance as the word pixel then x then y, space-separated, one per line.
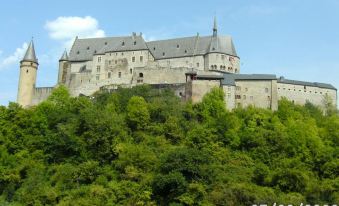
pixel 298 39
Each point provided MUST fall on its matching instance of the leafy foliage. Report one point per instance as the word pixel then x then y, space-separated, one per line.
pixel 142 146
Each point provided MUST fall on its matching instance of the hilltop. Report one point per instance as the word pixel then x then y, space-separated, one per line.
pixel 142 146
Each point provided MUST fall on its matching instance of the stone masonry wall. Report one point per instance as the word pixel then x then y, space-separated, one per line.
pixel 300 94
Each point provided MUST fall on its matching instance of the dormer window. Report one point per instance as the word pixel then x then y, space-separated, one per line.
pixel 163 54
pixel 135 43
pixel 95 51
pixel 78 52
pixel 88 48
pixel 123 43
pixel 178 46
pixel 213 48
pixel 154 48
pixel 185 51
pixel 105 43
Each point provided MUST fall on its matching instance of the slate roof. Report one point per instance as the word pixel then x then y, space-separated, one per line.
pixel 229 79
pixel 189 46
pixel 64 56
pixel 84 49
pixel 303 83
pixel 30 53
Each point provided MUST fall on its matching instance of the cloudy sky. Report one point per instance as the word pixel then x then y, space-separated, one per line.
pixel 298 39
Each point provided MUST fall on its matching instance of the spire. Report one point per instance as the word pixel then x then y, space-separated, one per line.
pixel 215 28
pixel 30 53
pixel 64 56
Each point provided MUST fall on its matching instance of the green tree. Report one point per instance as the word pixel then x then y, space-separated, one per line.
pixel 138 115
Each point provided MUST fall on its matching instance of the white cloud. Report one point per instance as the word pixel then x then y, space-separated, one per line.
pixel 13 58
pixel 66 28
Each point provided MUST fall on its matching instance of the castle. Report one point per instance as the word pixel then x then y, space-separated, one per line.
pixel 191 66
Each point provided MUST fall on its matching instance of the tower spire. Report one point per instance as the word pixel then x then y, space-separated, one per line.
pixel 64 56
pixel 30 53
pixel 215 28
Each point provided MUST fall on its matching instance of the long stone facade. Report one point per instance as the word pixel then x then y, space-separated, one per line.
pixel 196 64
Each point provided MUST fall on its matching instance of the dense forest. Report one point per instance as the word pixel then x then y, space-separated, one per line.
pixel 142 146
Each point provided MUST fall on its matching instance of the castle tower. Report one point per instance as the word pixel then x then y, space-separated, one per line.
pixel 63 66
pixel 28 70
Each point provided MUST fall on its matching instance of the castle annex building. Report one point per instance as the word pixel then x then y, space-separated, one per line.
pixel 192 66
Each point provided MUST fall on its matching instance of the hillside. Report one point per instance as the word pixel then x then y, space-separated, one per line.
pixel 146 147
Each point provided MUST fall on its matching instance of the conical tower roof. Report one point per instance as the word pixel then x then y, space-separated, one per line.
pixel 64 56
pixel 30 53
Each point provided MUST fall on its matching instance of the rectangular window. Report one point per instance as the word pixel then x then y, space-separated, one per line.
pixel 246 89
pixel 119 74
pixel 97 77
pixel 266 90
pixel 141 58
pixel 244 97
pixel 133 59
pixel 238 88
pixel 237 97
pixel 197 64
pixel 98 69
pixel 99 59
pixel 116 61
pixel 109 75
pixel 229 88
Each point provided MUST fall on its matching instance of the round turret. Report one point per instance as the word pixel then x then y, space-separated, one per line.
pixel 28 71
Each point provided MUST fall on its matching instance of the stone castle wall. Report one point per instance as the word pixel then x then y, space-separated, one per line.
pixel 41 94
pixel 300 94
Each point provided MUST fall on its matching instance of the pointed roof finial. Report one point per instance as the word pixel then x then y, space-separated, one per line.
pixel 30 53
pixel 64 56
pixel 215 28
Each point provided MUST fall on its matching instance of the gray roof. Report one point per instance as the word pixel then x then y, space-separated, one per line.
pixel 64 56
pixel 30 53
pixel 84 49
pixel 312 84
pixel 190 46
pixel 229 79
